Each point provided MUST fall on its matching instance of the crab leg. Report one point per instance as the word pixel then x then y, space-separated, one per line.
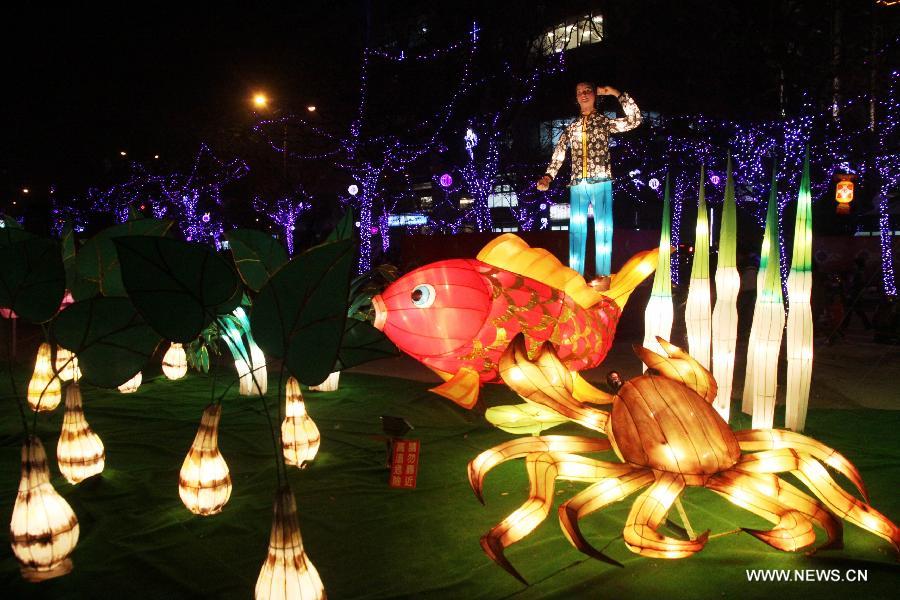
pixel 776 439
pixel 616 487
pixel 648 511
pixel 544 380
pixel 520 447
pixel 793 529
pixel 542 471
pixel 796 499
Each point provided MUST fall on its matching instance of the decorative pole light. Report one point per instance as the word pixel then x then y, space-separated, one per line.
pixel 287 572
pixel 725 315
pixel 329 385
pixel 660 312
pixel 66 365
pixel 299 434
pixel 768 323
pixel 80 452
pixel 843 193
pixel 799 320
pixel 43 530
pixel 446 180
pixel 132 384
pixel 353 189
pixel 204 482
pixel 697 311
pixel 44 389
pixel 174 363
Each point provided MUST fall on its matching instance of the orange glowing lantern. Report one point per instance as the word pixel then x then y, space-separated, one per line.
pixel 843 194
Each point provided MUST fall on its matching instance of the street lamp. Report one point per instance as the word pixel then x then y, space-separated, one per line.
pixel 260 100
pixel 123 153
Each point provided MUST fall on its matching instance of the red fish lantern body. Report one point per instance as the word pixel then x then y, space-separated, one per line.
pixel 458 316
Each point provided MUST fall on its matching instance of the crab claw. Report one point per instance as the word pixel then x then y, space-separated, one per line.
pixel 679 366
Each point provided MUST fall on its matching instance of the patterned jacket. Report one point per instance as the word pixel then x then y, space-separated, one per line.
pixel 590 153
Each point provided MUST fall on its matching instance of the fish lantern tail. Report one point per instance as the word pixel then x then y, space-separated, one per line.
pixel 632 273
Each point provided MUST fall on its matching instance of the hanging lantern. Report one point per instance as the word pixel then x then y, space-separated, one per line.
pixel 174 364
pixel 43 530
pixel 66 365
pixel 44 390
pixel 253 379
pixel 132 384
pixel 204 482
pixel 287 572
pixel 299 434
pixel 329 385
pixel 79 452
pixel 843 193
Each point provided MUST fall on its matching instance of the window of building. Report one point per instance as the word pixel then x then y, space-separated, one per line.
pixel 571 34
pixel 466 202
pixel 425 202
pixel 503 197
pixel 505 229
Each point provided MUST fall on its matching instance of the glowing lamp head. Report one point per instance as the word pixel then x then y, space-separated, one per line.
pixel 653 183
pixel 843 195
pixel 435 309
pixel 446 180
pixel 260 100
pixel 353 189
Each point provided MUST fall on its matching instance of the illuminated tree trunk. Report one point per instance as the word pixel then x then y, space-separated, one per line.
pixel 697 311
pixel 800 322
pixel 725 315
pixel 659 314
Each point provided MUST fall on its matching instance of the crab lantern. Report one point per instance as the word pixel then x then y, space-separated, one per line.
pixel 843 194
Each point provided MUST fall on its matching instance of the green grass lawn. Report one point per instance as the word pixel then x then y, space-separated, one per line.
pixel 370 541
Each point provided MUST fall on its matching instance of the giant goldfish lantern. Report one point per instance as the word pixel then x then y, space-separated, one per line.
pixel 458 316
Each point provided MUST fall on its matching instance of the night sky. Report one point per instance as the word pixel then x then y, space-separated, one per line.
pixel 85 82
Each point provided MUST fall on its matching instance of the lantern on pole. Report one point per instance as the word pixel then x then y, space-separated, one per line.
pixel 843 193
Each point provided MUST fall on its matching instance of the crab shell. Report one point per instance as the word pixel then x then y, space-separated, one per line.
pixel 662 424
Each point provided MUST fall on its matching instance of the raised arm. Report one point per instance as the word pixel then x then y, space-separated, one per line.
pixel 632 116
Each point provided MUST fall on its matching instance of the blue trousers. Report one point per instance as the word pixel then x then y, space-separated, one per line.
pixel 581 197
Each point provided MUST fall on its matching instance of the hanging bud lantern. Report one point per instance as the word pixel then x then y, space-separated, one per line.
pixel 329 385
pixel 287 572
pixel 299 434
pixel 204 482
pixel 80 452
pixel 66 365
pixel 44 391
pixel 43 530
pixel 132 384
pixel 843 193
pixel 174 364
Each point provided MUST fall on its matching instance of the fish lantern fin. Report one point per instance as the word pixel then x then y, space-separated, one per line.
pixel 524 419
pixel 511 253
pixel 632 273
pixel 587 393
pixel 462 388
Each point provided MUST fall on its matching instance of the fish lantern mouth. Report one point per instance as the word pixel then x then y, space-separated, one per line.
pixel 380 312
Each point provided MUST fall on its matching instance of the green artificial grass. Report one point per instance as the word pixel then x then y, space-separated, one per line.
pixel 370 541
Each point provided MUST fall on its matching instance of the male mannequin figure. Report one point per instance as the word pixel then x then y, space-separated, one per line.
pixel 587 137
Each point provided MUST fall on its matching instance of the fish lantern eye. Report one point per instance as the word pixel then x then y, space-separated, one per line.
pixel 423 295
